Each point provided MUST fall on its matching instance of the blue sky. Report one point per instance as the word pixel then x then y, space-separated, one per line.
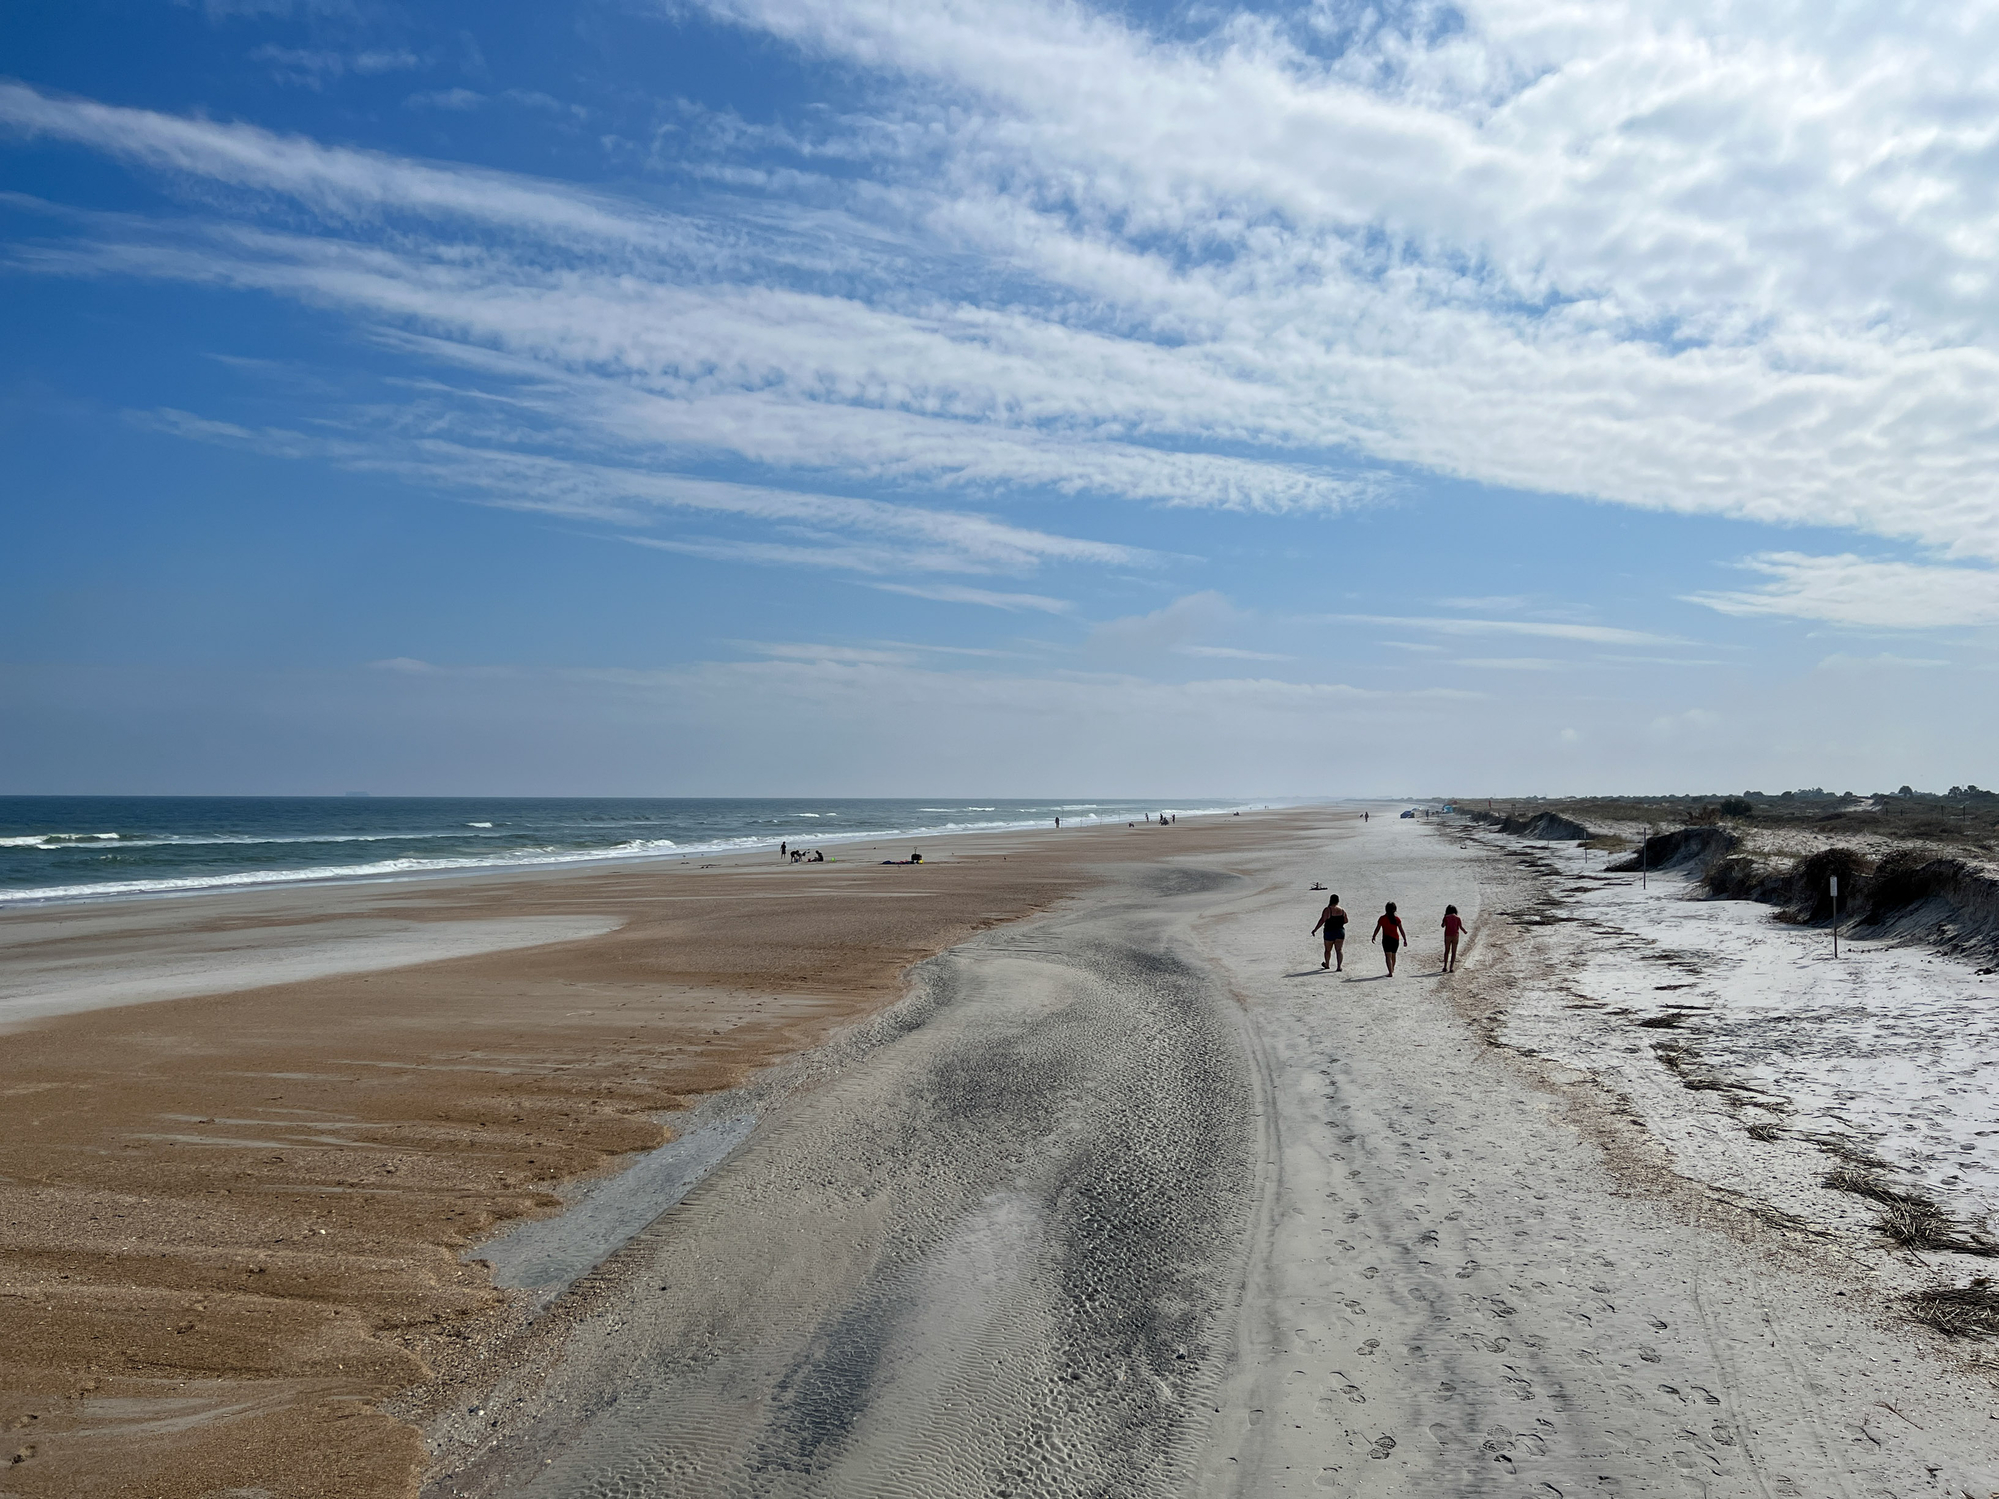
pixel 794 396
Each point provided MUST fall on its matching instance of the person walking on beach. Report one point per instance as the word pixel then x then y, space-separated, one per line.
pixel 1334 923
pixel 1453 928
pixel 1388 927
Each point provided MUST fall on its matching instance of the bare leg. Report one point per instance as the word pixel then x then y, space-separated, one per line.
pixel 1391 962
pixel 1339 955
pixel 1451 955
pixel 1327 961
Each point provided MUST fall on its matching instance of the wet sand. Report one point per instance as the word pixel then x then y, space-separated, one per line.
pixel 232 1217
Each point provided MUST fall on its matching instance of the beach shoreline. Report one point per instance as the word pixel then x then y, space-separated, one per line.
pixel 239 1192
pixel 800 828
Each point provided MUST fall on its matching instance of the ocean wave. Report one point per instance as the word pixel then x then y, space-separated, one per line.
pixel 57 840
pixel 541 856
pixel 229 840
pixel 529 858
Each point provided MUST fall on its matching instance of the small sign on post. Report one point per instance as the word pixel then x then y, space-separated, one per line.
pixel 1835 916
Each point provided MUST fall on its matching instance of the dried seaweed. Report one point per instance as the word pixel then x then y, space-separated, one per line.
pixel 1924 1225
pixel 1865 1183
pixel 1970 1311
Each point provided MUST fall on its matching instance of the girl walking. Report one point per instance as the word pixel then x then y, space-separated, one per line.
pixel 1453 928
pixel 1388 927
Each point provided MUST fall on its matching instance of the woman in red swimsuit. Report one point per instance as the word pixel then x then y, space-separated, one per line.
pixel 1388 927
pixel 1453 928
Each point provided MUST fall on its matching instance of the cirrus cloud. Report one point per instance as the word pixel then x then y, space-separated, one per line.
pixel 1850 590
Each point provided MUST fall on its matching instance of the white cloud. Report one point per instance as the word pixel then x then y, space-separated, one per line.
pixel 922 540
pixel 1449 625
pixel 1508 601
pixel 1734 261
pixel 1880 662
pixel 1509 663
pixel 460 99
pixel 1850 590
pixel 316 67
pixel 796 652
pixel 1723 260
pixel 1174 626
pixel 951 593
pixel 1229 653
pixel 1667 661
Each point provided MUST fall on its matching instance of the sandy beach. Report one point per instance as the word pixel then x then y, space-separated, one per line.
pixel 245 1138
pixel 1071 1172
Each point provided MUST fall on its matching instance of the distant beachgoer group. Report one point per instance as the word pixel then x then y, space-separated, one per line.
pixel 800 856
pixel 1331 928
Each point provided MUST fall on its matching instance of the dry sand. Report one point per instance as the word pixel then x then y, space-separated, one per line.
pixel 232 1215
pixel 1132 1198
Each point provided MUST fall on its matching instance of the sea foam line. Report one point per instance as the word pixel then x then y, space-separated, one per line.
pixel 659 848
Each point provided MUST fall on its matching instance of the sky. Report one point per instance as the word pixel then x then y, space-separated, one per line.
pixel 850 397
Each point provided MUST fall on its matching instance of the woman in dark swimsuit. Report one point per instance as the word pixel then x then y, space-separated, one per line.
pixel 1388 927
pixel 1334 920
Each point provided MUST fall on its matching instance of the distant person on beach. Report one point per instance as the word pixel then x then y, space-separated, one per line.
pixel 782 850
pixel 1363 817
pixel 1058 823
pixel 1334 921
pixel 1453 928
pixel 915 858
pixel 1388 927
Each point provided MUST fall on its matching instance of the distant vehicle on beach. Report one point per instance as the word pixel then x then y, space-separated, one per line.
pixel 1410 813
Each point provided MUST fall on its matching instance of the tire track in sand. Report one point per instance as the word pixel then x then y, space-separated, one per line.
pixel 990 1261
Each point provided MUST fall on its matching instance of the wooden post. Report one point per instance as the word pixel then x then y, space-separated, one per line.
pixel 1835 916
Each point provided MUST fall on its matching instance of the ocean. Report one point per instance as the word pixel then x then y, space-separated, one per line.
pixel 61 848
